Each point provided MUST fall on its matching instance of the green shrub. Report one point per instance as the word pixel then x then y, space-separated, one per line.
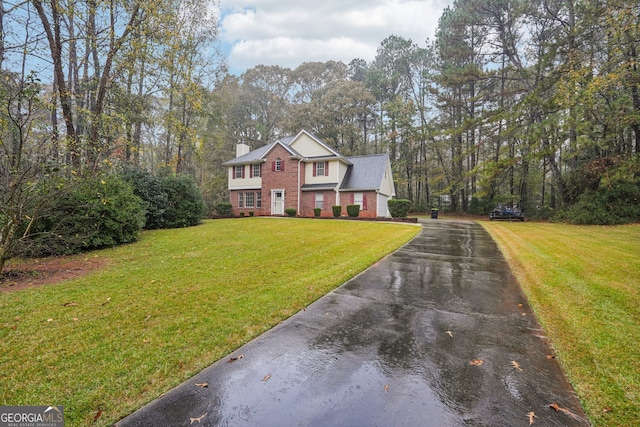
pixel 337 211
pixel 251 213
pixel 619 204
pixel 606 192
pixel 399 208
pixel 290 211
pixel 317 212
pixel 92 213
pixel 353 211
pixel 481 206
pixel 186 205
pixel 224 208
pixel 154 197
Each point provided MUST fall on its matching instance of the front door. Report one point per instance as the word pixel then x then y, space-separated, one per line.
pixel 277 202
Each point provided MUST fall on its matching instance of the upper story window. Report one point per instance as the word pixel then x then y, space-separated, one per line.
pixel 238 171
pixel 278 164
pixel 255 170
pixel 321 169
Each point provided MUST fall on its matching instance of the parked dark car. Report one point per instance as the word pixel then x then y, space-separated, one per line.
pixel 503 212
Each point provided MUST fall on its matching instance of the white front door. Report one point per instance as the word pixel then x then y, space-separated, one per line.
pixel 277 202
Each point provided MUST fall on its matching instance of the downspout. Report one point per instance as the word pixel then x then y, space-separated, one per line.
pixel 299 189
pixel 337 190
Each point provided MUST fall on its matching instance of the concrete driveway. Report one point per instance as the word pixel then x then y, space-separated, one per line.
pixel 436 334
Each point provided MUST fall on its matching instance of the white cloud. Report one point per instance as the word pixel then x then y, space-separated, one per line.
pixel 288 33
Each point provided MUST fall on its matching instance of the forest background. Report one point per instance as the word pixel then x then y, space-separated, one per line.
pixel 534 104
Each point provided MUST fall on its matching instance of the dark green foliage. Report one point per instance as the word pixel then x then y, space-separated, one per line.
pixel 353 211
pixel 482 206
pixel 92 213
pixel 399 208
pixel 186 205
pixel 337 211
pixel 606 191
pixel 420 208
pixel 317 212
pixel 154 198
pixel 290 211
pixel 224 209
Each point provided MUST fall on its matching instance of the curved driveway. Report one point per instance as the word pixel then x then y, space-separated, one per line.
pixel 436 334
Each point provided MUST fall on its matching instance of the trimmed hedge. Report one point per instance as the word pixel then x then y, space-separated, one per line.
pixel 353 211
pixel 337 211
pixel 399 208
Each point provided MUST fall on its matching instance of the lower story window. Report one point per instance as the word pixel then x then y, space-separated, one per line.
pixel 249 200
pixel 258 199
pixel 240 200
pixel 319 200
pixel 358 199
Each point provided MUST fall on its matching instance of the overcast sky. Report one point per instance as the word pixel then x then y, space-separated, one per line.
pixel 290 32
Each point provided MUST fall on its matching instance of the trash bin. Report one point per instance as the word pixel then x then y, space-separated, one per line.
pixel 434 213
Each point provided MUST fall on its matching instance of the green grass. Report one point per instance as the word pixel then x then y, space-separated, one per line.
pixel 583 283
pixel 170 305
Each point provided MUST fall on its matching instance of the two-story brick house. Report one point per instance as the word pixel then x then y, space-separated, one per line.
pixel 303 172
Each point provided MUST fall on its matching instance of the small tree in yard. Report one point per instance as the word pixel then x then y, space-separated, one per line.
pixel 28 176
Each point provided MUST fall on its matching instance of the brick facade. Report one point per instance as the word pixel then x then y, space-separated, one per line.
pixel 287 163
pixel 370 208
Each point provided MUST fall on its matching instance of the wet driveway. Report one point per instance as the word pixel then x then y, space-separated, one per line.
pixel 436 334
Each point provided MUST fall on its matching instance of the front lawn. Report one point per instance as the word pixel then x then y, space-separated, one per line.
pixel 584 283
pixel 170 305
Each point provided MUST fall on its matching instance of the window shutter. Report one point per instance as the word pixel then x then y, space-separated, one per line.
pixel 243 168
pixel 273 166
pixel 250 171
pixel 352 198
pixel 326 168
pixel 233 172
pixel 315 168
pixel 282 166
pixel 364 202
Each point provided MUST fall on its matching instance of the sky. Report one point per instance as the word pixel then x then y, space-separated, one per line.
pixel 291 32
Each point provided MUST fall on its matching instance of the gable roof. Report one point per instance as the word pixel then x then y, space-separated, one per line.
pixel 365 173
pixel 258 155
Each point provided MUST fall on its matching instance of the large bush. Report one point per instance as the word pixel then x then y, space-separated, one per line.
pixel 605 191
pixel 88 214
pixel 399 208
pixel 186 205
pixel 154 197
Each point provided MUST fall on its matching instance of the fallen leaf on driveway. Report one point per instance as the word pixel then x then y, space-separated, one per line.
pixel 198 419
pixel 233 359
pixel 203 385
pixel 563 410
pixel 386 387
pixel 531 416
pixel 516 365
pixel 550 356
pixel 449 333
pixel 476 362
pixel 266 377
